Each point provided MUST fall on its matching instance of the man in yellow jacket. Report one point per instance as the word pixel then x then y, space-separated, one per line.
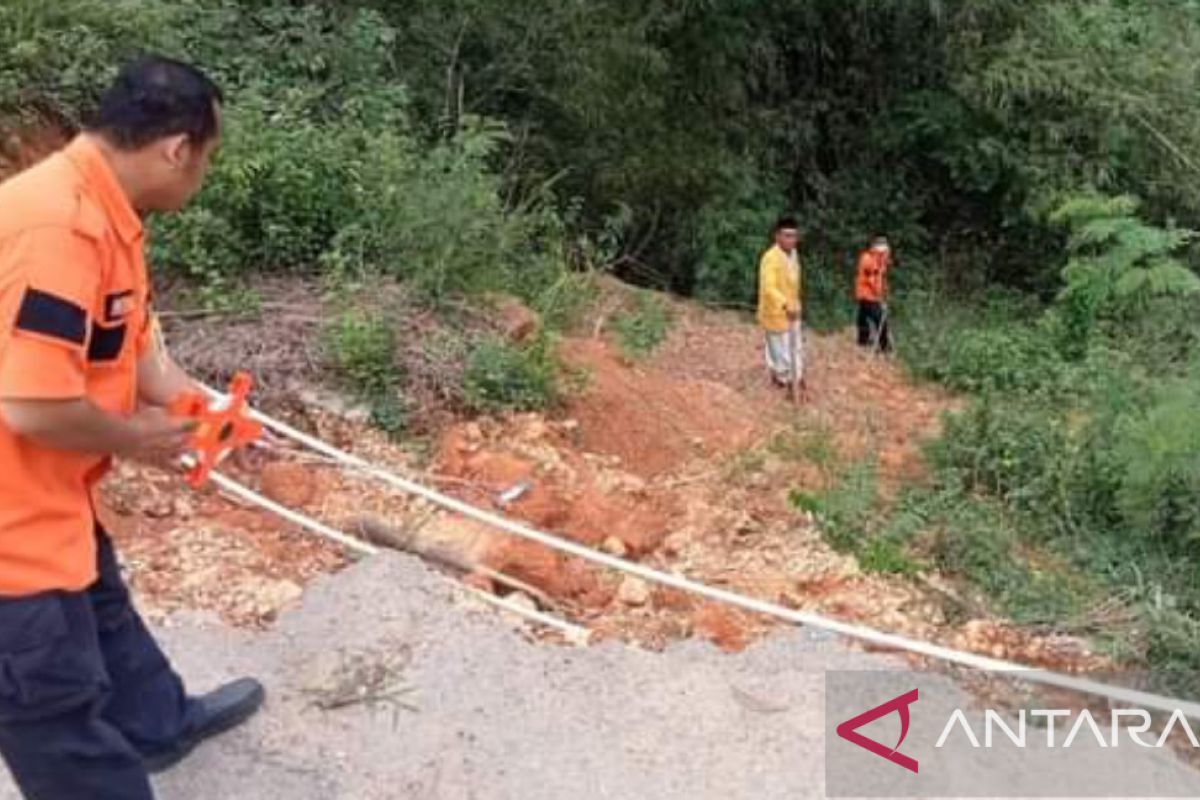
pixel 779 302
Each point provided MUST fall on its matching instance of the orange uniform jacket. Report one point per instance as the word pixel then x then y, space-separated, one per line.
pixel 871 284
pixel 74 320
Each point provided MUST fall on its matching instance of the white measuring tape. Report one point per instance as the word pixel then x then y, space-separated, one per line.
pixel 861 633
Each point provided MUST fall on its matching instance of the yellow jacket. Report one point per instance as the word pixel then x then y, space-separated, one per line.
pixel 778 290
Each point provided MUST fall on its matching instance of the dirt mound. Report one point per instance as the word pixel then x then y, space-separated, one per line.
pixel 293 485
pixel 675 461
pixel 654 421
pixel 527 468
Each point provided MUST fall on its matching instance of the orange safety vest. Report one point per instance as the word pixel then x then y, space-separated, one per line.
pixel 74 321
pixel 871 284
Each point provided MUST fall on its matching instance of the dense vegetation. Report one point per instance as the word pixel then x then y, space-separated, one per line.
pixel 1068 488
pixel 1038 164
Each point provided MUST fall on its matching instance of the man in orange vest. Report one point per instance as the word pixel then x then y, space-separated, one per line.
pixel 88 702
pixel 870 292
pixel 779 303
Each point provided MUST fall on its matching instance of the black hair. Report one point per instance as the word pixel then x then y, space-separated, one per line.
pixel 786 223
pixel 154 97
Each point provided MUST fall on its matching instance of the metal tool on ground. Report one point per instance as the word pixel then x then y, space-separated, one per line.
pixel 222 426
pixel 513 493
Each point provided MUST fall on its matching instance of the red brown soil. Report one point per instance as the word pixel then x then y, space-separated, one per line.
pixel 727 628
pixel 652 420
pixel 199 551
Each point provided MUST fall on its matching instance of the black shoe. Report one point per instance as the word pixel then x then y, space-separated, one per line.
pixel 212 714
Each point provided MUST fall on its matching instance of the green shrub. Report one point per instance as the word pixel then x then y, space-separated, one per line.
pixel 848 511
pixel 1017 453
pixel 1070 477
pixel 888 557
pixel 1015 358
pixel 437 217
pixel 731 232
pixel 59 55
pixel 562 304
pixel 977 540
pixel 851 518
pixel 363 350
pixel 641 330
pixel 321 165
pixel 199 243
pixel 1172 639
pixel 502 376
pixel 1158 450
pixel 361 346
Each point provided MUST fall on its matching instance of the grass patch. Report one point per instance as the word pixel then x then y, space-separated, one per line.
pixel 852 518
pixel 815 445
pixel 361 347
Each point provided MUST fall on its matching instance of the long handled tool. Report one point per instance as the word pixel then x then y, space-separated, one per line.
pixel 797 369
pixel 881 329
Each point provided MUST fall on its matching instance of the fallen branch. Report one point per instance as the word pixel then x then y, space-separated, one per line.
pixel 381 534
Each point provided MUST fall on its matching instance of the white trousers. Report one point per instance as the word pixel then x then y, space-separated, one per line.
pixel 779 353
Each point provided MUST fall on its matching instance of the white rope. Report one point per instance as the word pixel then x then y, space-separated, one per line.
pixel 574 633
pixel 861 633
pixel 234 488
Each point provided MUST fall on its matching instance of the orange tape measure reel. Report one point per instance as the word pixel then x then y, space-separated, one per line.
pixel 221 428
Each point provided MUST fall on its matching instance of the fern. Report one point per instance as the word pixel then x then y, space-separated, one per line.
pixel 1119 263
pixel 1087 207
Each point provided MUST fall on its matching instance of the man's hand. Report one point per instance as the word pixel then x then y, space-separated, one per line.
pixel 793 314
pixel 149 436
pixel 160 380
pixel 157 439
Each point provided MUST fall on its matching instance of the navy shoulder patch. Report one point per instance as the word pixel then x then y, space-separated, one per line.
pixel 51 316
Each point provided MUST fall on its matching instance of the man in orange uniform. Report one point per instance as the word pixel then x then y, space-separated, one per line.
pixel 88 702
pixel 779 303
pixel 870 291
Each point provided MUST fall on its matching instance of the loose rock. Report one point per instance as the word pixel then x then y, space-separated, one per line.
pixel 633 592
pixel 614 547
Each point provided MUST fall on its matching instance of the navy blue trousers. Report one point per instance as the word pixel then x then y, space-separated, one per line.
pixel 84 691
pixel 871 323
